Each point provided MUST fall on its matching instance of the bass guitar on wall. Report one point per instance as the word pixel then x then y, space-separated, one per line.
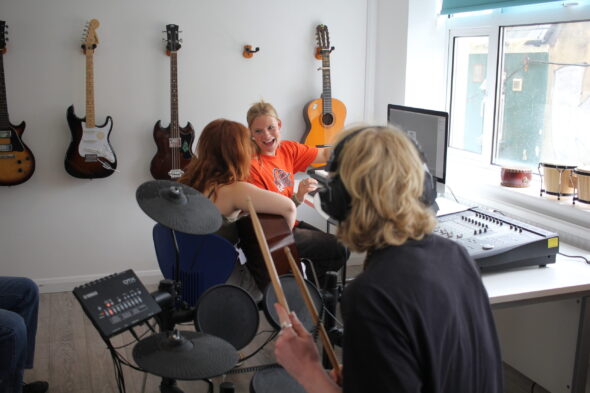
pixel 17 163
pixel 173 142
pixel 90 154
pixel 324 116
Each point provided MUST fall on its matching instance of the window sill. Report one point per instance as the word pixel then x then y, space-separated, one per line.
pixel 476 184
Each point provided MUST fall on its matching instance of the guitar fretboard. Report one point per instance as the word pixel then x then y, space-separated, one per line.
pixel 4 123
pixel 327 90
pixel 174 131
pixel 90 117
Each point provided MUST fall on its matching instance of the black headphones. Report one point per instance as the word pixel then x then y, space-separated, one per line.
pixel 335 199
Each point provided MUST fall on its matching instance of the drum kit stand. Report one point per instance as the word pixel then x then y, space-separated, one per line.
pixel 185 355
pixel 173 354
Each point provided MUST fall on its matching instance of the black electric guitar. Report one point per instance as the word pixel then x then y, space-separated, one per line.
pixel 17 163
pixel 173 142
pixel 90 154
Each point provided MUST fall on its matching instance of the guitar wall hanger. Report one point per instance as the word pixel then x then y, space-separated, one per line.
pixel 248 52
pixel 318 52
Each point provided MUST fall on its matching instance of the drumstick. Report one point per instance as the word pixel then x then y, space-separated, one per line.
pixel 270 266
pixel 314 314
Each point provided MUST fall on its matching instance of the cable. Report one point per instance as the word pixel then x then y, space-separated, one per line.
pixel 575 256
pixel 452 193
pixel 338 322
pixel 313 272
pixel 269 339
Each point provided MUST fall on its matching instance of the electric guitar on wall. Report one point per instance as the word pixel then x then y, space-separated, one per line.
pixel 324 116
pixel 173 142
pixel 90 154
pixel 17 163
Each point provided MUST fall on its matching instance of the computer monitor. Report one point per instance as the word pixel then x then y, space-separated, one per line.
pixel 429 129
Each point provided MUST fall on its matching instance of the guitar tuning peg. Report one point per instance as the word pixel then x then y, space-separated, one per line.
pixel 163 31
pixel 180 40
pixel 180 31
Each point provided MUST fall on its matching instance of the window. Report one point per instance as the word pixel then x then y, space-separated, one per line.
pixel 532 104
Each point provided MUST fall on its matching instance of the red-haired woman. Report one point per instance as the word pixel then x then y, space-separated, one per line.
pixel 219 171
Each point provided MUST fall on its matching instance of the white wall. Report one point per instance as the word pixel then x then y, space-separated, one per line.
pixel 426 76
pixel 390 26
pixel 62 231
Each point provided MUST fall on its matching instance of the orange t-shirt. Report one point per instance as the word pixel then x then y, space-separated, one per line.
pixel 276 173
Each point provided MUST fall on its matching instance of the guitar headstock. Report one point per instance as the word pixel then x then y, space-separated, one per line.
pixel 90 39
pixel 172 40
pixel 3 36
pixel 323 38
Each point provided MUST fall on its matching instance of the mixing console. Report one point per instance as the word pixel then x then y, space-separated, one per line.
pixel 498 242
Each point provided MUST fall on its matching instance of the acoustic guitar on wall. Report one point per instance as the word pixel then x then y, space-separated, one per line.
pixel 90 154
pixel 173 142
pixel 17 163
pixel 324 116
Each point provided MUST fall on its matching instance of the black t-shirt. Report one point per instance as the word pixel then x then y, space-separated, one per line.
pixel 418 319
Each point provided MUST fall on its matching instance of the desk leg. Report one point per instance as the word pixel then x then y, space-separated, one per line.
pixel 582 348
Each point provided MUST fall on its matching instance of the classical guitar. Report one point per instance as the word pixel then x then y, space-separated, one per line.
pixel 324 116
pixel 173 142
pixel 17 163
pixel 278 236
pixel 90 154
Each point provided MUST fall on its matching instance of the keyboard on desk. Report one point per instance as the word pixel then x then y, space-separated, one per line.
pixel 497 242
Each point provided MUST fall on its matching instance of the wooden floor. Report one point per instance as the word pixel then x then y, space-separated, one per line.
pixel 73 358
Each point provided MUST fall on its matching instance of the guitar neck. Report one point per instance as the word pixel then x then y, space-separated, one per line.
pixel 326 84
pixel 90 118
pixel 4 123
pixel 174 131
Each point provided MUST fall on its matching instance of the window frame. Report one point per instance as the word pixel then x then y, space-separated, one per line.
pixel 483 177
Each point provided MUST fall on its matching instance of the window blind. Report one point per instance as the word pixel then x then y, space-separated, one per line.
pixel 456 6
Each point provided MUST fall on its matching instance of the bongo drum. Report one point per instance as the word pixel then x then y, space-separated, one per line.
pixel 582 184
pixel 294 300
pixel 556 179
pixel 273 380
pixel 516 177
pixel 228 312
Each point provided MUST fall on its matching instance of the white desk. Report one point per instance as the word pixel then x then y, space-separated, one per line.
pixel 543 320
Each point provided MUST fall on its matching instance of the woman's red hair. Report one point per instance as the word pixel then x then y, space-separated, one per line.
pixel 222 157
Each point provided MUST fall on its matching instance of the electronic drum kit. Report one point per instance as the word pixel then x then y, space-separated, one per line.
pixel 227 310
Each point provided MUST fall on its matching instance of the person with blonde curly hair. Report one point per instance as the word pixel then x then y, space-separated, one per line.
pixel 418 318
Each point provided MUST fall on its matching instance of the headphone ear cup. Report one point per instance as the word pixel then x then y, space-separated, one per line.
pixel 335 200
pixel 428 197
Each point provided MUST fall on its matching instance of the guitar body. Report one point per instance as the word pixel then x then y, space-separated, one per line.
pixel 277 235
pixel 322 127
pixel 90 155
pixel 17 162
pixel 161 164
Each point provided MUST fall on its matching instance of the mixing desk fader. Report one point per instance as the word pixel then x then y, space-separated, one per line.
pixel 498 242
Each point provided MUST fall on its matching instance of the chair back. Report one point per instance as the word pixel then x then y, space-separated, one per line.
pixel 205 260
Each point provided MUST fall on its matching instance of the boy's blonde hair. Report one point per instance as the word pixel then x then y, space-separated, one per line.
pixel 382 171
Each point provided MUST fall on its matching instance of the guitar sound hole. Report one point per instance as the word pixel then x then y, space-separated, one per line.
pixel 327 119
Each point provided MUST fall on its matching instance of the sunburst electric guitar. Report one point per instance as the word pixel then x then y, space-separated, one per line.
pixel 90 154
pixel 324 116
pixel 173 142
pixel 17 163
